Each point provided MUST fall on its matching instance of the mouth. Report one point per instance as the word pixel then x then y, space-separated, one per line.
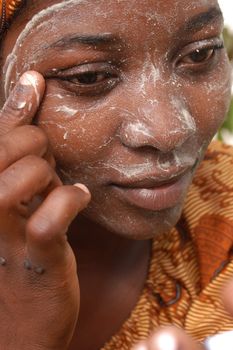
pixel 153 193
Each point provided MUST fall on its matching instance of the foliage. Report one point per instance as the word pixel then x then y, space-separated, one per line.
pixel 228 38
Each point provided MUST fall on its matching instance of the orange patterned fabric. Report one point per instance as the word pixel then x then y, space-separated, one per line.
pixel 191 264
pixel 7 10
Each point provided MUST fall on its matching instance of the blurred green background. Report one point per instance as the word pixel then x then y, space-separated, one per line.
pixel 228 124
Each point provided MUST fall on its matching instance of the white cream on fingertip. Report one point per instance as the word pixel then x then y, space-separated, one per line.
pixel 30 80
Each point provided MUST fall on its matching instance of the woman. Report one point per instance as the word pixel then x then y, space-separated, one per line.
pixel 124 97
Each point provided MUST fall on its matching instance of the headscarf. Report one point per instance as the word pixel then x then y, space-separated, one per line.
pixel 7 10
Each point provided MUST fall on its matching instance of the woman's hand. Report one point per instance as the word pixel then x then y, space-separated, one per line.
pixel 172 338
pixel 39 291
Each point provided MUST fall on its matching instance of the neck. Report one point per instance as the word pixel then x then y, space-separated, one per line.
pixel 96 245
pixel 109 267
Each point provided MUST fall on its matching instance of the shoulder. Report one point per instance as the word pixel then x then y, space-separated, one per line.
pixel 219 151
pixel 211 192
pixel 215 171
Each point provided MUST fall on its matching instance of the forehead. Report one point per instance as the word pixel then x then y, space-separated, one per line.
pixel 129 19
pixel 120 13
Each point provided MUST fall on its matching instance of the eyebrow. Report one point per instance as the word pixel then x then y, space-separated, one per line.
pixel 90 40
pixel 199 21
pixel 194 24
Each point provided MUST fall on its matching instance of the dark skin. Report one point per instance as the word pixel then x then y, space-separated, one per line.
pixel 103 110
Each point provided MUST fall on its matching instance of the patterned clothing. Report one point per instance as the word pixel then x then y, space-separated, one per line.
pixel 7 10
pixel 191 263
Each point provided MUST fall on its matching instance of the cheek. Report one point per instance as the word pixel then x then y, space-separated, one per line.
pixel 210 102
pixel 76 135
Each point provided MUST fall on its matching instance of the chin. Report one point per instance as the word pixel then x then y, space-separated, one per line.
pixel 134 224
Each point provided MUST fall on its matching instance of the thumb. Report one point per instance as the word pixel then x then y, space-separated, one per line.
pixel 23 102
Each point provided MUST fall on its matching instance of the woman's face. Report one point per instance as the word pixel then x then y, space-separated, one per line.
pixel 135 92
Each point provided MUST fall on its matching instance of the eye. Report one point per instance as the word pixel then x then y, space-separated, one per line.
pixel 198 55
pixel 87 79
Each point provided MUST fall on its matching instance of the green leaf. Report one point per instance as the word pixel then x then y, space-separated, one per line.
pixel 228 124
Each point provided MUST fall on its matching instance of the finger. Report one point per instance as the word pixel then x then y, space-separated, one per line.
pixel 169 338
pixel 20 182
pixel 46 229
pixel 23 102
pixel 20 142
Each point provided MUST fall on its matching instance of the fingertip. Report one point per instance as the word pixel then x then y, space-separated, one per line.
pixel 36 81
pixel 84 189
pixel 32 78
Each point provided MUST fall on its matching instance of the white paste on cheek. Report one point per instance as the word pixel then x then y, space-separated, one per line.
pixel 184 116
pixel 68 111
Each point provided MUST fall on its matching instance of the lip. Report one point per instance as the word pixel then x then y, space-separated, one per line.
pixel 154 195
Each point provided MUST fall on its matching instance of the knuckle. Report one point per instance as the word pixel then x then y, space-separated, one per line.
pixel 38 135
pixel 17 99
pixel 38 163
pixel 39 168
pixel 39 229
pixel 69 196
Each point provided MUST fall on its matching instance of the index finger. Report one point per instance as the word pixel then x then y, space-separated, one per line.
pixel 23 102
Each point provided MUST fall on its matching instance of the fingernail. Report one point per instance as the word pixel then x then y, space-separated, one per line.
pixel 28 79
pixel 166 341
pixel 83 188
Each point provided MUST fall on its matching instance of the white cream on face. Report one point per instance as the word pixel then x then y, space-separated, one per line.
pixel 38 22
pixel 69 111
pixel 149 76
pixel 182 113
pixel 69 119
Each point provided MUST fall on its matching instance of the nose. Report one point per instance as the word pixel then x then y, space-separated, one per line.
pixel 158 122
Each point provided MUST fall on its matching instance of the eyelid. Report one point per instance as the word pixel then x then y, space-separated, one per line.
pixel 212 43
pixel 82 69
pixel 65 77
